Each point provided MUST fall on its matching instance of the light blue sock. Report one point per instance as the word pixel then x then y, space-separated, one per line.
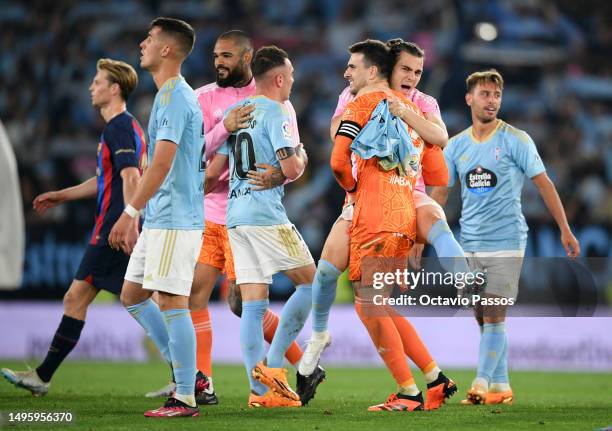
pixel 292 319
pixel 323 294
pixel 252 339
pixel 492 344
pixel 447 248
pixel 182 344
pixel 500 375
pixel 151 319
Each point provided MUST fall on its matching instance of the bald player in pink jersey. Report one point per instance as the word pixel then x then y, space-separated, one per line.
pixel 232 55
pixel 431 221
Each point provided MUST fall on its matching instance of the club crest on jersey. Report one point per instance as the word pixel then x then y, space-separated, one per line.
pixel 480 180
pixel 414 162
pixel 218 114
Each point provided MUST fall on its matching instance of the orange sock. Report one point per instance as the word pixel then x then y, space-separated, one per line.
pixel 414 347
pixel 203 331
pixel 270 323
pixel 387 340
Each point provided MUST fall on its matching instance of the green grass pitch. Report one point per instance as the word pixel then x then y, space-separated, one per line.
pixel 109 396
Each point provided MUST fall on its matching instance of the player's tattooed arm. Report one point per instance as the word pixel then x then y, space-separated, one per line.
pixel 293 161
pixel 270 177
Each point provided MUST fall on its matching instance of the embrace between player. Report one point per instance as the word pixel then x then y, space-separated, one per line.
pixel 258 136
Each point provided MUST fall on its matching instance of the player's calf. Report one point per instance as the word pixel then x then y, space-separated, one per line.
pixel 234 299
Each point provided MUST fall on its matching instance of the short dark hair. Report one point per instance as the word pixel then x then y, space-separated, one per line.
pixel 179 30
pixel 375 53
pixel 267 58
pixel 397 46
pixel 239 37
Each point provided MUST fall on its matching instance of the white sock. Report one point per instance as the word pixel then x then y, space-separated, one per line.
pixel 412 390
pixel 320 336
pixel 432 375
pixel 480 383
pixel 499 387
pixel 187 399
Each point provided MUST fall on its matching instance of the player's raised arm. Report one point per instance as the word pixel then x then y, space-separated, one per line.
pixel 236 119
pixel 87 189
pixel 430 131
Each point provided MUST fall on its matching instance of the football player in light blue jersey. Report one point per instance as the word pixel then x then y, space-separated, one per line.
pixel 164 257
pixel 262 239
pixel 491 159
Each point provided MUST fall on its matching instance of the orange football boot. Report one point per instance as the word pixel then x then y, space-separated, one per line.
pixel 438 391
pixel 271 400
pixel 275 379
pixel 504 397
pixel 475 396
pixel 399 403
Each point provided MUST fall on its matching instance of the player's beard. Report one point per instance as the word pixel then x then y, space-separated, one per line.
pixel 234 76
pixel 484 118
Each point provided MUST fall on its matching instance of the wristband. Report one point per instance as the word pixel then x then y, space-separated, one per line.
pixel 131 211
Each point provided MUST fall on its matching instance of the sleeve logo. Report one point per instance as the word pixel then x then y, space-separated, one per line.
pixel 286 130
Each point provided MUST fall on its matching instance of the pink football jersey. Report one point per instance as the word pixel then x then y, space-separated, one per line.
pixel 214 101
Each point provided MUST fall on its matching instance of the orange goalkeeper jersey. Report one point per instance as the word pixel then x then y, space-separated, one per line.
pixel 383 199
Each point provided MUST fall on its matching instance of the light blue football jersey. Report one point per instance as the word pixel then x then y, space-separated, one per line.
pixel 491 175
pixel 176 117
pixel 269 131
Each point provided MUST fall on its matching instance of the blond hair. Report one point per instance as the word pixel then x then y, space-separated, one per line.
pixel 490 75
pixel 119 73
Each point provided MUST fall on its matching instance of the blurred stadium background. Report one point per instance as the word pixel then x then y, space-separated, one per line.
pixel 554 56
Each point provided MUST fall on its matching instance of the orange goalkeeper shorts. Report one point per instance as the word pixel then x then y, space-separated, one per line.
pixel 377 252
pixel 216 250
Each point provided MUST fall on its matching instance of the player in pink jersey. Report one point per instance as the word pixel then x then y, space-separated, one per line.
pixel 407 59
pixel 232 56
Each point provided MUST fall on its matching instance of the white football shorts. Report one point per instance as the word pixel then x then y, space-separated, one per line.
pixel 164 260
pixel 503 270
pixel 262 251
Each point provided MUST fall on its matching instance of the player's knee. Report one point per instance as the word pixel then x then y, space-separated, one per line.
pixel 336 253
pixel 429 215
pixel 235 302
pixel 127 299
pixel 74 304
pixel 70 300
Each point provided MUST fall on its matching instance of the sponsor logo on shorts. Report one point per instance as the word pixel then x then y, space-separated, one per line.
pixel 480 180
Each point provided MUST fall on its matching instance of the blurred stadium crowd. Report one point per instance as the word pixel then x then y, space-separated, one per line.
pixel 553 55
